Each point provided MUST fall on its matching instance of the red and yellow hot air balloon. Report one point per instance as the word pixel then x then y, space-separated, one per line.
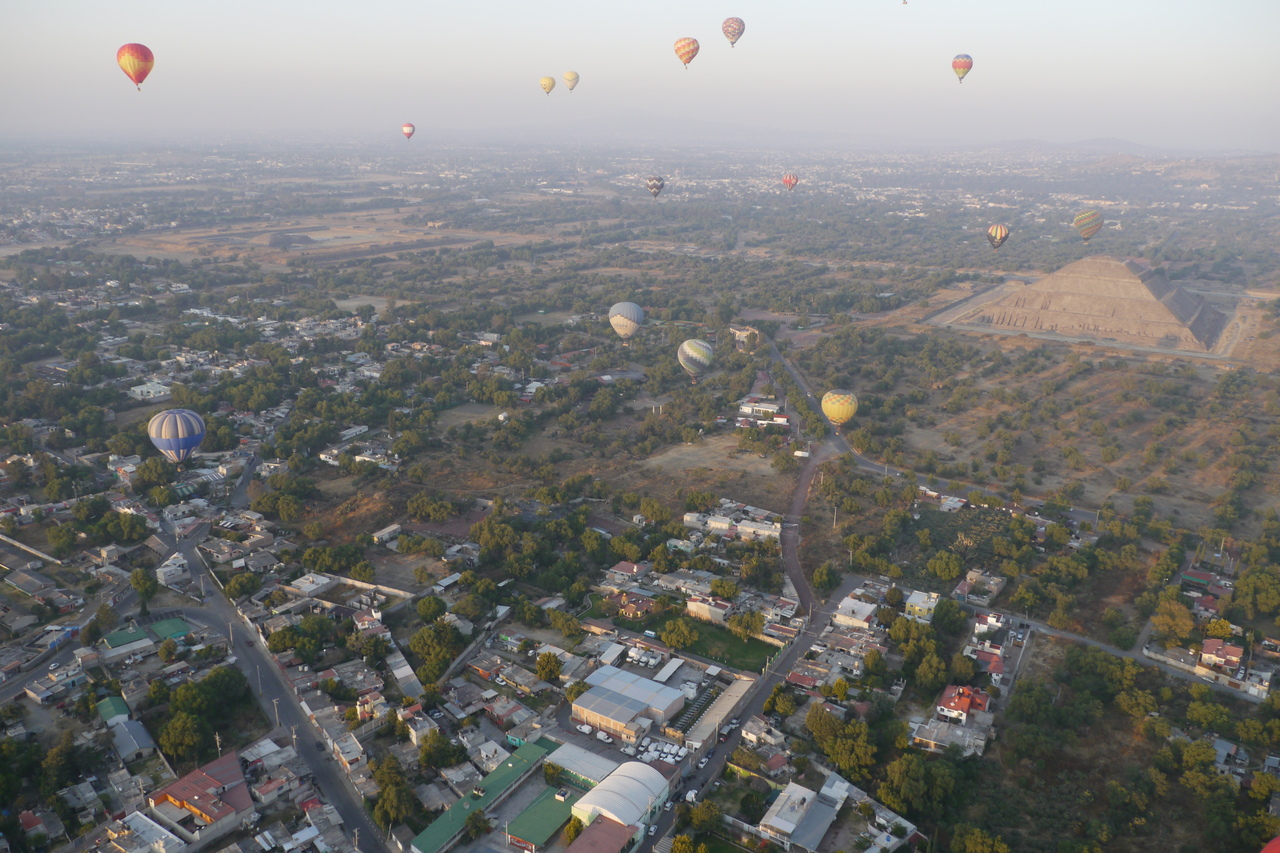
pixel 789 180
pixel 407 129
pixel 686 50
pixel 136 61
pixel 962 65
pixel 733 28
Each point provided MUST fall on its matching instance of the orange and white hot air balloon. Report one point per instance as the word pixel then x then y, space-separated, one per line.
pixel 686 50
pixel 136 61
pixel 407 129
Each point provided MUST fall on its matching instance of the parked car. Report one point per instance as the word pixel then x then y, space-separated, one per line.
pixel 653 830
pixel 585 729
pixel 667 806
pixel 702 762
pixel 54 666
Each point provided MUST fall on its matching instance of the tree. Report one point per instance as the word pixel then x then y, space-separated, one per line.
pixel 705 816
pixel 970 839
pixel 241 585
pixel 679 634
pixel 477 825
pixel 430 608
pixel 948 617
pixel 682 844
pixel 436 751
pixel 826 577
pixel 1173 622
pixel 724 588
pixel 168 650
pixel 572 830
pixel 551 772
pixel 931 674
pixel 184 736
pixel 576 689
pixel 363 571
pixel 917 787
pixel 746 625
pixel 549 667
pixel 946 565
pixel 144 583
pixel 107 617
pixel 396 802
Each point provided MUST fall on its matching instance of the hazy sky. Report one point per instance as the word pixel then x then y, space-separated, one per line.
pixel 1170 73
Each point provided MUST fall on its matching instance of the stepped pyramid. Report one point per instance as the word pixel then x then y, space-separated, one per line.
pixel 1107 299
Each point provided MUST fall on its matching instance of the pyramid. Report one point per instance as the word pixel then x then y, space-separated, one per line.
pixel 1106 299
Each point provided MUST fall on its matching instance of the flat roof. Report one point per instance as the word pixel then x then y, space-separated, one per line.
pixel 175 628
pixel 539 823
pixel 436 836
pixel 123 637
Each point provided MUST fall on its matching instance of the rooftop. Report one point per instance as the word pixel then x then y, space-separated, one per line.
pixel 539 823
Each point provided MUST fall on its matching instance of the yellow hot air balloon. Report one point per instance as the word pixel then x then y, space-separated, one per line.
pixel 839 406
pixel 571 79
pixel 547 84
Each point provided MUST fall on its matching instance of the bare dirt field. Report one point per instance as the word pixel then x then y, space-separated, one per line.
pixel 467 413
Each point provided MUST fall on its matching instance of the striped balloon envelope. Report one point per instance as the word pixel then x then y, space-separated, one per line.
pixel 408 130
pixel 695 356
pixel 997 234
pixel 176 433
pixel 655 185
pixel 789 180
pixel 626 318
pixel 839 406
pixel 1088 223
pixel 962 65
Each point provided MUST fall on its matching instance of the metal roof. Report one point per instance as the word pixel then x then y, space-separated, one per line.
pixel 626 795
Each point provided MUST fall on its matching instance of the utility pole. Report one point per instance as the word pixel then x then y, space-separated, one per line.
pixel 275 703
pixel 259 669
pixel 217 736
pixel 294 730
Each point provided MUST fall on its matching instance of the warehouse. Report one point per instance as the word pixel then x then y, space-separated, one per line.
pixel 629 796
pixel 625 704
pixel 582 767
pixel 541 821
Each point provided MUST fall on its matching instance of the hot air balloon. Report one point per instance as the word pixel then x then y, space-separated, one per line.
pixel 547 84
pixel 136 61
pixel 1088 223
pixel 839 406
pixel 789 180
pixel 961 65
pixel 997 234
pixel 626 319
pixel 407 129
pixel 655 185
pixel 176 433
pixel 733 28
pixel 695 357
pixel 686 50
pixel 571 79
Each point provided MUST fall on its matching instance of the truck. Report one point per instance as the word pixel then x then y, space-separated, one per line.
pixel 601 736
pixel 691 796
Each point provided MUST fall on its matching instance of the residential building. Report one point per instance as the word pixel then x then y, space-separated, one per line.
pixel 958 702
pixel 205 804
pixel 920 605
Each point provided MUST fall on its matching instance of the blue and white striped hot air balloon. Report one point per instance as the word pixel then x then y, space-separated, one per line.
pixel 176 433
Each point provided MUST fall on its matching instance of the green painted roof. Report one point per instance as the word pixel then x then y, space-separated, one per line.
pixel 124 637
pixel 539 823
pixel 434 838
pixel 175 628
pixel 112 706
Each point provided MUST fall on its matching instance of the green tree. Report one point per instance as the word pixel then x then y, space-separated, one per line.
pixel 477 825
pixel 705 816
pixel 185 736
pixel 724 588
pixel 551 773
pixel 549 667
pixel 241 585
pixel 946 565
pixel 572 830
pixel 430 608
pixel 576 689
pixel 1173 622
pixel 682 844
pixel 746 625
pixel 107 617
pixel 144 583
pixel 970 839
pixel 168 650
pixel 679 634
